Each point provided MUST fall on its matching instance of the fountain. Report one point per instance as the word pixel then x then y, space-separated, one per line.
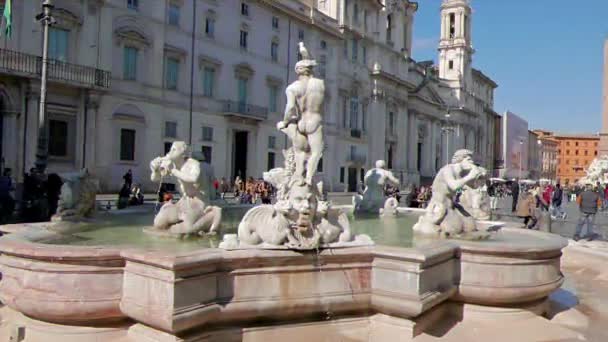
pixel 280 274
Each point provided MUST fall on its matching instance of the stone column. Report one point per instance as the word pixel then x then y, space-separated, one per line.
pixel 412 142
pixel 90 130
pixel 30 129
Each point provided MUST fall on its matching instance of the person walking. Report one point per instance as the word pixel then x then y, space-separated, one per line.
pixel 7 202
pixel 514 194
pixel 493 193
pixel 526 208
pixel 558 195
pixel 588 201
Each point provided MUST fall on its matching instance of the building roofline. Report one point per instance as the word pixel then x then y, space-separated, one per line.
pixel 485 78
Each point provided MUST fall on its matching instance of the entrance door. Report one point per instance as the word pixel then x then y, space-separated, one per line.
pixel 352 179
pixel 419 161
pixel 240 154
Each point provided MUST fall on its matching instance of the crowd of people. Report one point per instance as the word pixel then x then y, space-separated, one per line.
pixel 253 191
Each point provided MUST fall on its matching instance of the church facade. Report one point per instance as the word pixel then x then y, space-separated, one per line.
pixel 130 77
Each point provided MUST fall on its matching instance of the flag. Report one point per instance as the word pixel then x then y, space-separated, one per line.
pixel 8 15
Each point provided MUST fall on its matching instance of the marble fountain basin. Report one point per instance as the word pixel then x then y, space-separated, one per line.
pixel 159 292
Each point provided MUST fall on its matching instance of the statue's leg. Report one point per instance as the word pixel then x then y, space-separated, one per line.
pixel 167 215
pixel 210 221
pixel 315 141
pixel 300 145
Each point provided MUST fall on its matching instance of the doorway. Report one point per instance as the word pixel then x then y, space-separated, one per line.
pixel 240 154
pixel 352 179
pixel 419 154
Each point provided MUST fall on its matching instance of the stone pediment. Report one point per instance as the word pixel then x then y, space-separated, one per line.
pixel 431 94
pixel 129 28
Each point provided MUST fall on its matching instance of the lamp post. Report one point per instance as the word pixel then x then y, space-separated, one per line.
pixel 521 152
pixel 446 128
pixel 42 149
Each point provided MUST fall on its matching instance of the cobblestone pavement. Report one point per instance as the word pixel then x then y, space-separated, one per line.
pixel 565 228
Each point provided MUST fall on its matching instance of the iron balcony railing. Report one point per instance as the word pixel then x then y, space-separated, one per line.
pixel 245 109
pixel 15 62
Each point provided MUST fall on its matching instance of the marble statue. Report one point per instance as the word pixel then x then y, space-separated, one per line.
pixel 444 218
pixel 475 200
pixel 301 218
pixel 302 121
pixel 390 207
pixel 77 199
pixel 190 215
pixel 596 172
pixel 373 198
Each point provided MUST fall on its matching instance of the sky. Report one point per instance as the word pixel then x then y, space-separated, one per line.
pixel 545 55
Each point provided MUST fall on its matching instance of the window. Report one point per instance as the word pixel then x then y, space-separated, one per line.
pixel 356 12
pixel 171 73
pixel 354 112
pixel 576 143
pixel 323 45
pixel 355 50
pixel 207 133
pixel 391 122
pixel 208 81
pixel 207 152
pixel 275 23
pixel 133 4
pixel 595 153
pixel 363 118
pixel 341 175
pixel 301 35
pixel 129 71
pixel 389 28
pixel 452 25
pixel 58 138
pixel 322 66
pixel 127 144
pixel 243 41
pixel 167 147
pixel 210 27
pixel 58 44
pixel 274 51
pixel 567 143
pixel 451 64
pixel 272 142
pixel 271 161
pixel 242 91
pixel 568 152
pixel 244 9
pixel 344 112
pixel 173 15
pixel 170 129
pixel 365 20
pixel 576 152
pixel 586 152
pixel 272 98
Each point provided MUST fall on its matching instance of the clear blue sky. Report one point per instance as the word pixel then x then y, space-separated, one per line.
pixel 545 55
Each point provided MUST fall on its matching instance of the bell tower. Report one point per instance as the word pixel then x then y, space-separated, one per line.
pixel 455 48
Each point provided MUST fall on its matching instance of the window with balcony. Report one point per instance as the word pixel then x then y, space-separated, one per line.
pixel 58 138
pixel 171 73
pixel 58 44
pixel 208 81
pixel 130 63
pixel 170 129
pixel 207 152
pixel 245 9
pixel 274 51
pixel 273 92
pixel 207 134
pixel 173 14
pixel 127 144
pixel 242 84
pixel 133 4
pixel 275 23
pixel 243 39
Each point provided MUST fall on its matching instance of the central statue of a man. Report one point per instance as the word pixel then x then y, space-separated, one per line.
pixel 302 122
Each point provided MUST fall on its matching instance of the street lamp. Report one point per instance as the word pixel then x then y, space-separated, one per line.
pixel 521 152
pixel 447 128
pixel 42 149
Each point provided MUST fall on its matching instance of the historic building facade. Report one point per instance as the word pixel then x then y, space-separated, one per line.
pixel 574 155
pixel 128 77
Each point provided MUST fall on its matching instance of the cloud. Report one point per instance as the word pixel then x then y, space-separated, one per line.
pixel 422 44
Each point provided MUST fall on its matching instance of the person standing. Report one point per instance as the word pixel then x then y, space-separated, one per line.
pixel 558 195
pixel 588 202
pixel 514 194
pixel 493 193
pixel 128 178
pixel 6 198
pixel 526 208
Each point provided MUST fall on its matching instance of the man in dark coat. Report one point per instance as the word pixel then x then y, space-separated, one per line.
pixel 515 194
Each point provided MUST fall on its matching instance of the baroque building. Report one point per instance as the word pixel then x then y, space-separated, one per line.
pixel 128 77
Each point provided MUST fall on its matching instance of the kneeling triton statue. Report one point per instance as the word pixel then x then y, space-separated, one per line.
pixel 444 217
pixel 190 215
